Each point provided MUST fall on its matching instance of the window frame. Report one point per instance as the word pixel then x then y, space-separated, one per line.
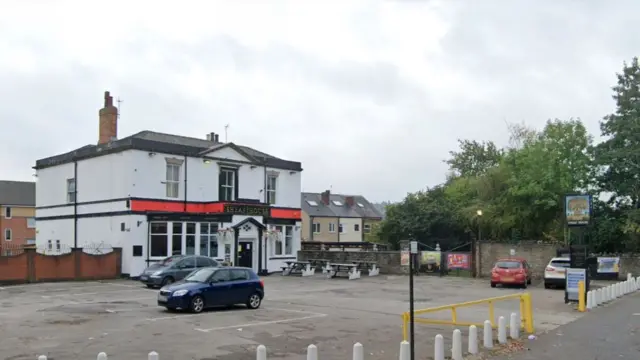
pixel 172 185
pixel 337 202
pixel 32 219
pixel 356 227
pixel 10 232
pixel 366 228
pixel 332 227
pixel 285 234
pixel 272 189
pixel 231 188
pixel 165 234
pixel 315 227
pixel 312 203
pixel 8 212
pixel 341 228
pixel 72 191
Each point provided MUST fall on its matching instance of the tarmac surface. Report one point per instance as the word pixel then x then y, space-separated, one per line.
pixel 606 333
pixel 77 320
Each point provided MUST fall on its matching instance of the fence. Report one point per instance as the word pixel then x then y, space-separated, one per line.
pixel 456 343
pixel 526 313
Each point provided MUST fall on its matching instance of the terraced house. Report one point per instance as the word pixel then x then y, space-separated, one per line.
pixel 330 217
pixel 17 215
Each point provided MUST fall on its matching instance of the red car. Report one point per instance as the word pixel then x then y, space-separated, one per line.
pixel 511 271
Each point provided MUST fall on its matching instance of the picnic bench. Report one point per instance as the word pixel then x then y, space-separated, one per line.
pixel 320 264
pixel 351 270
pixel 303 268
pixel 370 266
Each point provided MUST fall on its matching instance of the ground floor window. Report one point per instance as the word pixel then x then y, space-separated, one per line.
pixel 176 239
pixel 209 239
pixel 190 239
pixel 158 239
pixel 283 241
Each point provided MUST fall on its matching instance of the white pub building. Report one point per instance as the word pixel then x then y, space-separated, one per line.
pixel 154 195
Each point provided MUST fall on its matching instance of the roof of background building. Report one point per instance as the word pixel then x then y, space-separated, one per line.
pixel 17 193
pixel 168 144
pixel 312 204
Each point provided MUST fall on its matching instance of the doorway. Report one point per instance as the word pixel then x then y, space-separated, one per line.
pixel 245 254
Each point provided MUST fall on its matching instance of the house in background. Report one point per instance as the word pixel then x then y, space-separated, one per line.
pixel 17 215
pixel 330 217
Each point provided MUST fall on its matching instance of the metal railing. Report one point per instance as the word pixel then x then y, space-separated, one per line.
pixel 526 313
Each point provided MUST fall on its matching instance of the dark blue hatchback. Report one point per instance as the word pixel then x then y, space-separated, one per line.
pixel 212 287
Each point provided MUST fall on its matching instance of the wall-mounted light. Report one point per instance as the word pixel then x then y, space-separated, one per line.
pixel 206 161
pixel 291 172
pixel 253 167
pixel 151 154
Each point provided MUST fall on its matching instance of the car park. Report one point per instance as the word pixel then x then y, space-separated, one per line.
pixel 174 268
pixel 511 271
pixel 212 287
pixel 555 272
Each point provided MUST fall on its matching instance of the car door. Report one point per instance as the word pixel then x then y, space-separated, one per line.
pixel 242 285
pixel 217 294
pixel 185 267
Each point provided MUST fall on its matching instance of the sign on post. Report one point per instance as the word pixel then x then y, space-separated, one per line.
pixel 404 258
pixel 574 276
pixel 414 247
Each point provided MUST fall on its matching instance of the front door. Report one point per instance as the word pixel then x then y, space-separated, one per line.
pixel 245 254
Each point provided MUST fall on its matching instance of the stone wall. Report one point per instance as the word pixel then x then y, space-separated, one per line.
pixel 388 261
pixel 537 255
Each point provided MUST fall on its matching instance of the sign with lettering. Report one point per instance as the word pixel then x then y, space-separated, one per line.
pixel 245 209
pixel 574 276
pixel 577 209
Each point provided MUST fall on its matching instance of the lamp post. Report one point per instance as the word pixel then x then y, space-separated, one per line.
pixel 477 267
pixel 479 213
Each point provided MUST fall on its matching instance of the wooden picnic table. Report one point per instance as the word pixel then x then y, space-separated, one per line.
pixel 296 267
pixel 371 267
pixel 351 269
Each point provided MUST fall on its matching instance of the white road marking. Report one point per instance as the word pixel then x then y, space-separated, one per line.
pixel 297 311
pixel 172 317
pixel 125 285
pixel 1 288
pixel 110 311
pixel 94 293
pixel 261 323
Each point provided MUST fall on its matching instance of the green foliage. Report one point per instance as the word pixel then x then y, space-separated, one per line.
pixel 520 188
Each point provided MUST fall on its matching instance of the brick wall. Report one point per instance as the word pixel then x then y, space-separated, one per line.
pixel 388 261
pixel 537 255
pixel 31 266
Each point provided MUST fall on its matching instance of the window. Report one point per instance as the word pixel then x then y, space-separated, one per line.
pixel 272 182
pixel 159 239
pixel 367 228
pixel 71 190
pixel 316 228
pixel 239 275
pixel 209 239
pixel 173 180
pixel 227 184
pixel 312 203
pixel 58 246
pixel 284 242
pixel 340 228
pixel 332 227
pixel 202 261
pixel 176 239
pixel 356 227
pixel 191 239
pixel 188 263
pixel 7 212
pixel 360 205
pixel 31 241
pixel 337 203
pixel 49 245
pixel 221 276
pixel 7 234
pixel 137 250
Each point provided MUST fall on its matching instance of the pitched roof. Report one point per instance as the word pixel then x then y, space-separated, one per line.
pixel 164 143
pixel 338 207
pixel 17 193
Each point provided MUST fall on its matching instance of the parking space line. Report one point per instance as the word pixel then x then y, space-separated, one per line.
pixel 261 323
pixel 93 293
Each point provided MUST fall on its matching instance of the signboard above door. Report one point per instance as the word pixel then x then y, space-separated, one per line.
pixel 246 209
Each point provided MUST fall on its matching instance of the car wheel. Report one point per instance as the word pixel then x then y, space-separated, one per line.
pixel 167 281
pixel 493 285
pixel 197 304
pixel 547 286
pixel 149 286
pixel 254 301
pixel 529 281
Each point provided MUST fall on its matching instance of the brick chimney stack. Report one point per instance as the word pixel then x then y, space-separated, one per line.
pixel 108 127
pixel 349 200
pixel 325 197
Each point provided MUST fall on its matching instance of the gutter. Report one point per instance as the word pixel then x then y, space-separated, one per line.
pixel 185 183
pixel 75 204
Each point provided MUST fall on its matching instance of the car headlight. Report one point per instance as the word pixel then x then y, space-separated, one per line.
pixel 180 292
pixel 157 273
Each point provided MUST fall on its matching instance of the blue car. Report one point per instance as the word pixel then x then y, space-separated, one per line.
pixel 213 287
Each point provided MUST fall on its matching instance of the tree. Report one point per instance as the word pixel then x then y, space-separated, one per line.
pixel 474 158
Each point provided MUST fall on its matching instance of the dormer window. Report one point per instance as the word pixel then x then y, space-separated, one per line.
pixel 337 203
pixel 312 203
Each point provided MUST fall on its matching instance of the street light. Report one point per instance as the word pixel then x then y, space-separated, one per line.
pixel 479 213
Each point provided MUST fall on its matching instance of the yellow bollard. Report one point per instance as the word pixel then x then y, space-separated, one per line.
pixel 581 304
pixel 405 320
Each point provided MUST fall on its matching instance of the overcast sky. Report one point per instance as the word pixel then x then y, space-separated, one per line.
pixel 369 96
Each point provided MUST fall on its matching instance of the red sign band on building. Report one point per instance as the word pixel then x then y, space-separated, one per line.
pixel 215 208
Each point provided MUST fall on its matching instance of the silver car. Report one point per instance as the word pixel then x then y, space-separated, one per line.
pixel 174 268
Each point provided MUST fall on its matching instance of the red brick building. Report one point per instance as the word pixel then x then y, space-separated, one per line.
pixel 17 215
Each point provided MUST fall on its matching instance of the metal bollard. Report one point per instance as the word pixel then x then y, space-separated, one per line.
pixel 312 353
pixel 102 356
pixel 514 326
pixel 456 345
pixel 487 339
pixel 261 353
pixel 405 351
pixel 153 356
pixel 473 340
pixel 358 352
pixel 438 350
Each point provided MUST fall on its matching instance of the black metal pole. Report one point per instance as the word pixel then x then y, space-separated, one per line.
pixel 411 323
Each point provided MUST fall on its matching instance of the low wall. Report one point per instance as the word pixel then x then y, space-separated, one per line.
pixel 388 261
pixel 31 266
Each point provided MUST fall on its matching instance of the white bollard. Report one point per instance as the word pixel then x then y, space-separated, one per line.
pixel 596 297
pixel 629 276
pixel 438 350
pixel 608 293
pixel 514 326
pixel 102 356
pixel 358 352
pixel 405 351
pixel 487 339
pixel 473 340
pixel 261 353
pixel 617 290
pixel 154 355
pixel 502 330
pixel 312 353
pixel 589 300
pixel 42 357
pixel 456 345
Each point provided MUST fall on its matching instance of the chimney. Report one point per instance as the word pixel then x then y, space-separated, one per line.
pixel 211 136
pixel 349 200
pixel 325 197
pixel 108 126
pixel 216 138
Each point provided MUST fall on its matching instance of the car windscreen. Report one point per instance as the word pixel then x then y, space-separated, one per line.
pixel 508 264
pixel 170 260
pixel 201 275
pixel 560 263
